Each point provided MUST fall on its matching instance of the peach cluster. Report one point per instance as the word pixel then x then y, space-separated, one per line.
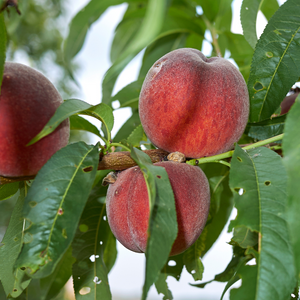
pixel 190 104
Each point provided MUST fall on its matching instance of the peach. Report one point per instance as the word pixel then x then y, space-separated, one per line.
pixel 192 104
pixel 287 103
pixel 27 102
pixel 128 205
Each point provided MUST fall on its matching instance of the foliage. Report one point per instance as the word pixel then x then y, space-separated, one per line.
pixel 58 224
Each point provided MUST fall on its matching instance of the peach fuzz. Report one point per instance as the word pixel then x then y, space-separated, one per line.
pixel 192 104
pixel 27 102
pixel 128 206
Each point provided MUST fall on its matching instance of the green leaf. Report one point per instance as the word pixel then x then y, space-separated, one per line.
pixel 2 46
pixel 162 287
pixel 240 51
pixel 13 281
pixel 258 181
pixel 269 7
pixel 81 23
pixel 128 127
pixel 221 203
pixel 52 285
pixel 103 113
pixel 291 160
pixel 127 29
pixel 94 248
pixel 159 48
pixel 224 16
pixel 249 11
pixel 192 261
pixel 8 190
pixel 229 274
pixel 276 62
pixel 129 95
pixel 244 237
pixel 249 275
pixel 70 107
pixel 266 129
pixel 136 136
pixel 79 123
pixel 65 110
pixel 53 207
pixel 148 31
pixel 163 221
pixel 210 8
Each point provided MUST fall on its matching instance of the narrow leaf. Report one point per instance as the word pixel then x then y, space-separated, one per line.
pixel 8 190
pixel 276 62
pixel 244 237
pixel 103 113
pixel 129 95
pixel 266 129
pixel 162 287
pixel 258 180
pixel 136 136
pixel 53 284
pixel 13 281
pixel 81 23
pixel 247 291
pixel 79 123
pixel 128 127
pixel 2 46
pixel 291 160
pixel 70 107
pixel 163 221
pixel 269 7
pixel 94 248
pixel 249 11
pixel 192 261
pixel 148 31
pixel 65 110
pixel 221 204
pixel 53 207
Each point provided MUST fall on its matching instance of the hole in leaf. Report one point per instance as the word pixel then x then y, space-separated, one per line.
pixel 88 169
pixel 258 86
pixel 104 218
pixel 23 268
pixel 101 243
pixel 172 263
pixel 240 191
pixel 267 183
pixel 193 272
pixel 83 227
pixel 92 258
pixel 239 159
pixel 15 290
pixel 97 280
pixel 269 54
pixel 85 290
pixel 32 203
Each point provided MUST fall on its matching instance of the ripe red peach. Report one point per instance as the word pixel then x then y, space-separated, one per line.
pixel 27 102
pixel 192 104
pixel 128 206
